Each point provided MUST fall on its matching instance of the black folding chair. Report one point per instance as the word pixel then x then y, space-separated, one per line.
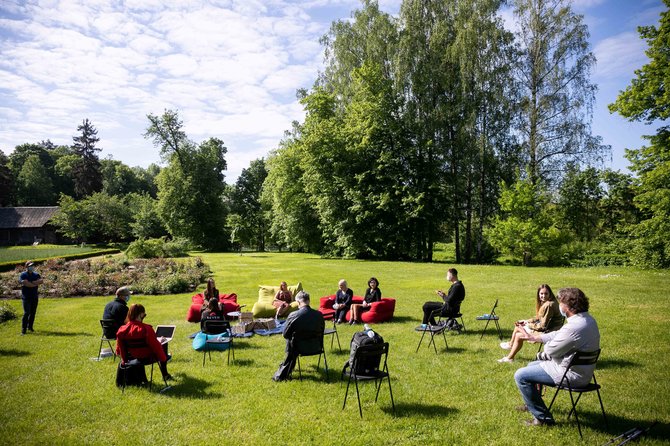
pixel 108 326
pixel 439 328
pixel 309 344
pixel 132 363
pixel 579 359
pixel 492 316
pixel 356 374
pixel 332 332
pixel 217 327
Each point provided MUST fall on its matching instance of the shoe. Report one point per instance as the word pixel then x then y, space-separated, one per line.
pixel 505 346
pixel 168 377
pixel 352 322
pixel 23 333
pixel 31 330
pixel 536 422
pixel 522 408
pixel 505 359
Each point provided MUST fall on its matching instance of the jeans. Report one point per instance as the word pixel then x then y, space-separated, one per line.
pixel 526 378
pixel 29 311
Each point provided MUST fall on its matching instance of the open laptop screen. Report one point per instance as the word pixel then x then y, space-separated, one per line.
pixel 166 331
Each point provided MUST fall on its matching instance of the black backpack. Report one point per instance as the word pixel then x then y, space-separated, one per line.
pixel 370 363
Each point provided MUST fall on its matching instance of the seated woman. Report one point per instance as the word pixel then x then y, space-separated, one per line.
pixel 209 293
pixel 342 303
pixel 282 300
pixel 547 318
pixel 135 330
pixel 372 294
pixel 213 312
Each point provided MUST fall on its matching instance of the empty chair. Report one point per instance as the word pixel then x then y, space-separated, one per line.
pixel 365 367
pixel 492 316
pixel 332 332
pixel 579 359
pixel 439 328
pixel 217 327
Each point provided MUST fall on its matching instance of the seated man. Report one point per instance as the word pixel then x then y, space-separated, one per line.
pixel 452 299
pixel 117 310
pixel 305 320
pixel 580 333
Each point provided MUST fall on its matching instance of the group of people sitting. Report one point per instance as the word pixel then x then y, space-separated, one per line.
pixel 343 301
pixel 129 326
pixel 562 323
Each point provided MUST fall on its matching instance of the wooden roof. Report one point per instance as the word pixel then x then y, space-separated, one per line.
pixel 26 217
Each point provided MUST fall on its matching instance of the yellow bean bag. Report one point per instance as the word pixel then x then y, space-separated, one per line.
pixel 266 295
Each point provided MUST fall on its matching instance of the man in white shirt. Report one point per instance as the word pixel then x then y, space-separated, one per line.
pixel 580 333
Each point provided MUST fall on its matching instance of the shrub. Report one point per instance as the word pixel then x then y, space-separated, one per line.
pixel 102 276
pixel 154 248
pixel 7 312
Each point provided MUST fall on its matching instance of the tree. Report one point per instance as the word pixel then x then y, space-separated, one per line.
pixel 525 230
pixel 245 202
pixel 34 186
pixel 579 198
pixel 617 205
pixel 557 94
pixel 147 222
pixel 647 99
pixel 97 218
pixel 86 171
pixel 6 181
pixel 191 187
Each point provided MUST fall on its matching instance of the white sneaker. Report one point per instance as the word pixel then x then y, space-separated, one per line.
pixel 505 346
pixel 505 359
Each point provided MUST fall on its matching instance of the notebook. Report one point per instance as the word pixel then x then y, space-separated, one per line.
pixel 165 331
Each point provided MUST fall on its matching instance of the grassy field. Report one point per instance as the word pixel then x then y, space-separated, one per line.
pixel 23 253
pixel 52 393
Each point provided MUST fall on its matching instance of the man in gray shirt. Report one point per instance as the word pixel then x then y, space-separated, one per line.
pixel 580 333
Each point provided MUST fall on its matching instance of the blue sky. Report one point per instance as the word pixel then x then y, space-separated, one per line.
pixel 231 68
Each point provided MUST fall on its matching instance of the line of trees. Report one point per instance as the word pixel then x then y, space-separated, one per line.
pixel 436 126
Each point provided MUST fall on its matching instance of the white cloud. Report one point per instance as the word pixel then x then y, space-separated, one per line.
pixel 619 56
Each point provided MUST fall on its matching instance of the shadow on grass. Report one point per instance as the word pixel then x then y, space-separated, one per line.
pixel 416 409
pixel 442 350
pixel 188 387
pixel 593 419
pixel 615 363
pixel 13 352
pixel 63 333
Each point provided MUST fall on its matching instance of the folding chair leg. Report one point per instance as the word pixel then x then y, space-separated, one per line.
pixel 420 341
pixel 151 380
pixel 500 335
pixel 339 347
pixel 346 393
pixel 99 349
pixel 299 369
pixel 358 395
pixel 485 327
pixel 602 408
pixel 325 363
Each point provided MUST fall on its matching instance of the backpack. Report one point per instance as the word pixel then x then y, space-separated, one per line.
pixel 364 365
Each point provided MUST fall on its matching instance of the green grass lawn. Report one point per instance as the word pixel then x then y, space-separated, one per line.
pixel 23 253
pixel 52 393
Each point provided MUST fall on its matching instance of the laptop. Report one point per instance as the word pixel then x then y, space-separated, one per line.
pixel 165 331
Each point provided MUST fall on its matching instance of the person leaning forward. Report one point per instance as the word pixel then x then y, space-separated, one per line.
pixel 452 299
pixel 304 321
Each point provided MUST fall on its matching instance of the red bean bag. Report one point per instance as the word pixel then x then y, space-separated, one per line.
pixel 381 311
pixel 229 302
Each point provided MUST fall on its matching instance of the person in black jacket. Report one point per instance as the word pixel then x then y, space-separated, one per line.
pixel 304 323
pixel 452 299
pixel 117 310
pixel 342 303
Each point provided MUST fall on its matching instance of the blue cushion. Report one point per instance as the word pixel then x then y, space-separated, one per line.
pixel 200 342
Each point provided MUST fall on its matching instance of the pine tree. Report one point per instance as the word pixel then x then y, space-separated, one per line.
pixel 86 171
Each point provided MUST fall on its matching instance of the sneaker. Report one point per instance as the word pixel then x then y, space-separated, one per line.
pixel 505 346
pixel 505 359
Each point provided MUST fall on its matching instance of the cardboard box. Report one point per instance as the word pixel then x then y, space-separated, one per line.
pixel 265 323
pixel 243 327
pixel 246 316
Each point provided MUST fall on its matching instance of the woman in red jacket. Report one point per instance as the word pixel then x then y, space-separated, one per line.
pixel 135 329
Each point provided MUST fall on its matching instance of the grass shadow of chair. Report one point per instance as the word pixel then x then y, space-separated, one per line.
pixel 420 409
pixel 13 352
pixel 616 364
pixel 189 387
pixel 62 333
pixel 592 418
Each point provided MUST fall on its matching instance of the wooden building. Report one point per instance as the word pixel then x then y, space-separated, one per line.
pixel 27 225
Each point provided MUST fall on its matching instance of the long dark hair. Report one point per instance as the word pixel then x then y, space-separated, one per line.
pixel 211 290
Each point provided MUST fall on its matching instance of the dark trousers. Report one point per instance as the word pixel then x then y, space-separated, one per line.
pixel 286 367
pixel 29 311
pixel 341 314
pixel 428 308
